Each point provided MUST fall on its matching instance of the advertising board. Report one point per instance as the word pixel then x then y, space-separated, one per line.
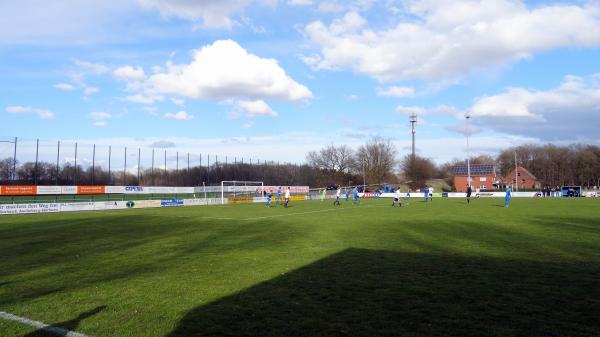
pixel 240 200
pixel 90 189
pixel 171 202
pixel 29 208
pixel 49 190
pixel 17 190
pixel 114 189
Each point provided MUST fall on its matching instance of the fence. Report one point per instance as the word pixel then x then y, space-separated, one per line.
pixel 40 162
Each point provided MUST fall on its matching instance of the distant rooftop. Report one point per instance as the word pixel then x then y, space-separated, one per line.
pixel 476 170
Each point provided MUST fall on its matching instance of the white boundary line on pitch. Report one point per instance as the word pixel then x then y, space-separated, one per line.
pixel 40 325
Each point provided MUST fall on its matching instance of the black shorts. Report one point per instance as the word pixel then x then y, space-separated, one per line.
pixel 395 199
pixel 468 195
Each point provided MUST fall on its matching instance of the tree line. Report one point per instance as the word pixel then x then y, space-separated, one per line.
pixel 375 162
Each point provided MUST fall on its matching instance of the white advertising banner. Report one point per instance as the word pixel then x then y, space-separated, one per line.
pixel 202 202
pixel 76 206
pixel 68 190
pixel 208 189
pixel 29 208
pixel 145 203
pixel 44 190
pixel 293 189
pixel 115 189
pixel 109 205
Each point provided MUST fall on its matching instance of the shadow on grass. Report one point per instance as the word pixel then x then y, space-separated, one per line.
pixel 40 262
pixel 64 328
pixel 360 292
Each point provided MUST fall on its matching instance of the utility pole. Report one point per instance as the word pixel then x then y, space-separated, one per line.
pixel 467 117
pixel 516 174
pixel 413 121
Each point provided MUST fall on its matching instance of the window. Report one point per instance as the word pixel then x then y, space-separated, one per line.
pixel 518 174
pixel 483 179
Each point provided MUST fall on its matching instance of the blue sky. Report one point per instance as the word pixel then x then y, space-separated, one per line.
pixel 274 79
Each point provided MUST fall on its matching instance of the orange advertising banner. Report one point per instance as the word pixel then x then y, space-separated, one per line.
pixel 90 189
pixel 18 190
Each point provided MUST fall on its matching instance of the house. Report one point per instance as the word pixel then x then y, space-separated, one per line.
pixel 521 178
pixel 483 176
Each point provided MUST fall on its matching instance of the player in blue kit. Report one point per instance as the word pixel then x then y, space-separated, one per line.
pixel 507 197
pixel 356 197
pixel 278 200
pixel 269 196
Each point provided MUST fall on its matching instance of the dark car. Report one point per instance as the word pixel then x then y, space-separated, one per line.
pixel 332 187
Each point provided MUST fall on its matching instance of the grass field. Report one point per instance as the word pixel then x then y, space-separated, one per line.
pixel 438 269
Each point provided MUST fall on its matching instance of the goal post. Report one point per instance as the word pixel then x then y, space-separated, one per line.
pixel 237 188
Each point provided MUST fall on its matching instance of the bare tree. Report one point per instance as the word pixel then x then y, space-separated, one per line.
pixel 418 170
pixel 376 160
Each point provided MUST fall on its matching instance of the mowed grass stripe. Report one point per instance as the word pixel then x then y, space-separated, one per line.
pixel 430 269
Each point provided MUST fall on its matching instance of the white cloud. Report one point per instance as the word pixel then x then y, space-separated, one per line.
pixel 447 39
pixel 224 70
pixel 256 108
pixel 144 99
pixel 100 115
pixel 569 111
pixel 90 91
pixel 247 126
pixel 42 113
pixel 177 101
pixel 396 91
pixel 180 115
pixel 464 129
pixel 62 22
pixel 438 110
pixel 129 73
pixel 300 2
pixel 101 124
pixel 212 14
pixel 64 86
pixel 331 7
pixel 91 67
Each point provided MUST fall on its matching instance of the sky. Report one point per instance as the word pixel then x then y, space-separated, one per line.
pixel 274 79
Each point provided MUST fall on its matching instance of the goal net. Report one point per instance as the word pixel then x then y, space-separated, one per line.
pixel 241 189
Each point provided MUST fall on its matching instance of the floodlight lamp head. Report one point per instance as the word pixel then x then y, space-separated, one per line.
pixel 412 118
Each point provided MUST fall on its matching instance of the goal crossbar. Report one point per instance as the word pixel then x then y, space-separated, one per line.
pixel 235 186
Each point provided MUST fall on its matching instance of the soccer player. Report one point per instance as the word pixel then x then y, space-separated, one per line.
pixel 356 197
pixel 507 198
pixel 397 199
pixel 287 197
pixel 347 194
pixel 278 200
pixel 323 194
pixel 477 195
pixel 430 193
pixel 469 191
pixel 425 193
pixel 337 196
pixel 269 195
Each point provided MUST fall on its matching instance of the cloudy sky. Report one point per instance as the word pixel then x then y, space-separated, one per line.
pixel 273 79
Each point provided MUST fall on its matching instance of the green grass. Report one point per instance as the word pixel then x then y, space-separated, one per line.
pixel 439 269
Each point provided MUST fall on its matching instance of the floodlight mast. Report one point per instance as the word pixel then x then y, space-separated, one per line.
pixel 413 120
pixel 467 117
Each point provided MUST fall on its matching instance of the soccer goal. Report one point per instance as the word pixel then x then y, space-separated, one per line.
pixel 241 189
